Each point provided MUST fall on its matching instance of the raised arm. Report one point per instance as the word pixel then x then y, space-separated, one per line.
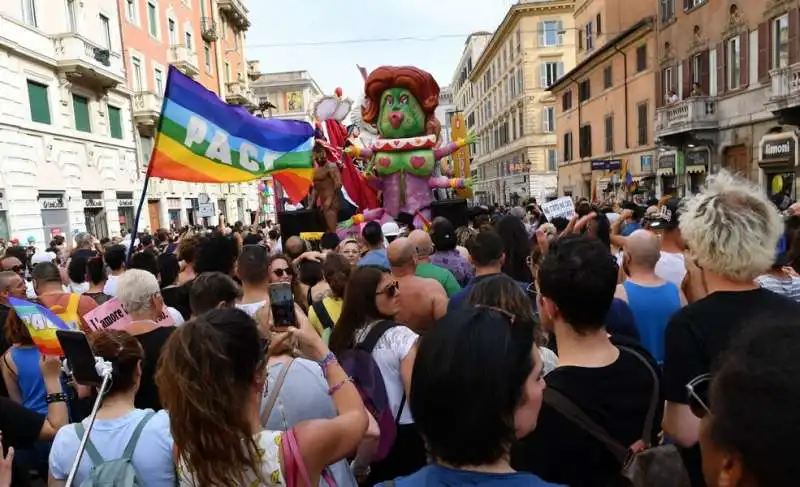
pixel 448 149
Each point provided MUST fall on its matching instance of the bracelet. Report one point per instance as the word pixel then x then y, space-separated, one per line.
pixel 56 397
pixel 333 390
pixel 326 361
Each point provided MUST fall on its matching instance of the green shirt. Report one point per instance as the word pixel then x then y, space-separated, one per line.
pixel 445 277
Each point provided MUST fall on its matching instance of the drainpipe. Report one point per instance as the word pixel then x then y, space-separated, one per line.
pixel 625 73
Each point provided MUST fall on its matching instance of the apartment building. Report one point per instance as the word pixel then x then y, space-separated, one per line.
pixel 291 93
pixel 514 114
pixel 204 39
pixel 732 70
pixel 67 141
pixel 606 105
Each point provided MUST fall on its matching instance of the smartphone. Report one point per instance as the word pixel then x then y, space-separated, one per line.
pixel 80 357
pixel 281 300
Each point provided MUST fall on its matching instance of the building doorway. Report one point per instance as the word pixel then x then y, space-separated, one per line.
pixel 737 161
pixel 154 210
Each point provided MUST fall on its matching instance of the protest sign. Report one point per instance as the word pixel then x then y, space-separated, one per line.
pixel 41 324
pixel 561 207
pixel 112 316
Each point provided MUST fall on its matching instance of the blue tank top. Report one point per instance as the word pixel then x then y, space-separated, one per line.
pixel 652 307
pixel 29 378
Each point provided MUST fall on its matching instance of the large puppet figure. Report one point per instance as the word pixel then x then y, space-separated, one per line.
pixel 400 102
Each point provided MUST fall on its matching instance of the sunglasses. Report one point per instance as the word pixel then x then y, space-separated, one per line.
pixel 505 314
pixel 698 395
pixel 390 290
pixel 281 271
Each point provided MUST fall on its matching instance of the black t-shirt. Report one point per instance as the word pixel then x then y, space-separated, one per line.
pixel 697 336
pixel 4 345
pixel 20 425
pixel 178 297
pixel 152 343
pixel 616 397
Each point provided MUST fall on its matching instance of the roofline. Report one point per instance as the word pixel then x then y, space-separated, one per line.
pixel 504 29
pixel 642 27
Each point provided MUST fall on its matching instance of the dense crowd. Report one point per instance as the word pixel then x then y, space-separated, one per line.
pixel 656 344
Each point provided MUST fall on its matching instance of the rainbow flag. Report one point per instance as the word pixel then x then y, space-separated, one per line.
pixel 41 324
pixel 202 139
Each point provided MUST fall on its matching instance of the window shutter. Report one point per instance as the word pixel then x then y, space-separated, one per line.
pixel 686 82
pixel 545 121
pixel 660 89
pixel 540 29
pixel 704 73
pixel 794 28
pixel 80 107
pixel 560 69
pixel 580 39
pixel 599 25
pixel 560 35
pixel 721 55
pixel 763 50
pixel 38 102
pixel 543 75
pixel 744 58
pixel 115 122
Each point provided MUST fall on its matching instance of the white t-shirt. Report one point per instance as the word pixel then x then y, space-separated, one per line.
pixel 251 308
pixel 390 350
pixel 671 267
pixel 176 316
pixel 111 286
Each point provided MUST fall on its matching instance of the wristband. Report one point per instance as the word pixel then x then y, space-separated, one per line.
pixel 55 397
pixel 333 390
pixel 326 361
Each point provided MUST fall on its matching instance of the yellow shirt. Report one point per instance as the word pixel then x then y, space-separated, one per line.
pixel 334 308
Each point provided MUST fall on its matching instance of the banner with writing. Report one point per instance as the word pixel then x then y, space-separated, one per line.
pixel 112 316
pixel 561 207
pixel 41 324
pixel 461 162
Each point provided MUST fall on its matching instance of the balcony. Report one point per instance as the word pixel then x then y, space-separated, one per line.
pixel 238 94
pixel 184 59
pixel 784 98
pixel 208 29
pixel 253 70
pixel 236 13
pixel 146 110
pixel 697 113
pixel 86 63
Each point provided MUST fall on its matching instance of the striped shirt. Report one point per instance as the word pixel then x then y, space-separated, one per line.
pixel 788 286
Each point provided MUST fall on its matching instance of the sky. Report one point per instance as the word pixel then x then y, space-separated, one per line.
pixel 338 31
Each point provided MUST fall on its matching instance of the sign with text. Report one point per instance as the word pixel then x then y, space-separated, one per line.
pixel 111 315
pixel 609 165
pixel 561 207
pixel 698 157
pixel 206 210
pixel 778 149
pixel 461 162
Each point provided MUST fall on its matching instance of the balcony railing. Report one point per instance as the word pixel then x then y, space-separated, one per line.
pixel 208 29
pixel 694 113
pixel 87 62
pixel 184 59
pixel 146 110
pixel 785 88
pixel 238 94
pixel 236 12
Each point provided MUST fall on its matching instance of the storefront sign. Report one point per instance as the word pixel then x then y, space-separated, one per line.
pixel 646 162
pixel 52 203
pixel 173 203
pixel 698 159
pixel 92 203
pixel 608 165
pixel 666 161
pixel 780 147
pixel 125 203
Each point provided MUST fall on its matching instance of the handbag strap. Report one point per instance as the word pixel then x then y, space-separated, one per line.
pixel 294 460
pixel 273 395
pixel 647 433
pixel 322 314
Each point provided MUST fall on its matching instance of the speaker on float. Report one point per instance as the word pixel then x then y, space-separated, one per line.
pixel 454 210
pixel 293 223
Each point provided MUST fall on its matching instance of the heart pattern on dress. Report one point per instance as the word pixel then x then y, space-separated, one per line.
pixel 417 161
pixel 384 161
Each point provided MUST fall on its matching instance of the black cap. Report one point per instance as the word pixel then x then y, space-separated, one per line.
pixel 667 216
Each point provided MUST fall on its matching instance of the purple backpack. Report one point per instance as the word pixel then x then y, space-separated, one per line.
pixel 359 364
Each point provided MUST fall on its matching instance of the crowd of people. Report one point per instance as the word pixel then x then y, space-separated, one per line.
pixel 511 351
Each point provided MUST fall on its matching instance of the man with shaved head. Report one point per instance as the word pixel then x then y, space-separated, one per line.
pixel 652 300
pixel 424 245
pixel 422 300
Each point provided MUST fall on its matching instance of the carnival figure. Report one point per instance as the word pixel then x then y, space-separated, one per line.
pixel 401 102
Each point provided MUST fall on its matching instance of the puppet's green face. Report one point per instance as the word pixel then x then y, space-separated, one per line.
pixel 401 115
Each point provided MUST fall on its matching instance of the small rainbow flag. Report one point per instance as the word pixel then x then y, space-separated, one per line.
pixel 42 325
pixel 202 139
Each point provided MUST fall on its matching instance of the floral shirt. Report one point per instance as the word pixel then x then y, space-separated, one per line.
pixel 453 261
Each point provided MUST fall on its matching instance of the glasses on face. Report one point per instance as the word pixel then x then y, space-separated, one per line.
pixel 698 395
pixel 390 290
pixel 281 271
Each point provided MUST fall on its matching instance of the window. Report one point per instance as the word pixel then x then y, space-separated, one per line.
pixel 584 90
pixel 512 84
pixel 689 4
pixel 550 33
pixel 188 39
pixel 521 80
pixel 641 58
pixel 668 81
pixel 227 72
pixel 607 77
pixel 609 133
pixel 38 102
pixel 172 31
pixel 550 73
pixel 130 10
pixel 598 24
pixel 549 119
pixel 105 27
pixel 152 18
pixel 521 122
pixel 207 55
pixel 697 67
pixel 733 54
pixel 137 74
pixel 566 100
pixel 567 146
pixel 29 12
pixel 667 10
pixel 780 41
pixel 589 37
pixel 115 122
pixel 585 141
pixel 514 125
pixel 641 116
pixel 159 76
pixel 80 108
pixel 71 17
pixel 552 160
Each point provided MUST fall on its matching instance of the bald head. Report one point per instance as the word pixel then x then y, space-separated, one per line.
pixel 295 247
pixel 401 253
pixel 422 241
pixel 644 249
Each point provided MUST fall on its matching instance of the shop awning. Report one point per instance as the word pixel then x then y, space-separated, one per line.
pixel 695 169
pixel 666 171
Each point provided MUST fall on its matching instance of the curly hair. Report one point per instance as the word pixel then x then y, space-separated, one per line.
pixel 731 228
pixel 420 83
pixel 205 377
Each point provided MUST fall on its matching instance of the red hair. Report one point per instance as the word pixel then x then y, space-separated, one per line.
pixel 420 83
